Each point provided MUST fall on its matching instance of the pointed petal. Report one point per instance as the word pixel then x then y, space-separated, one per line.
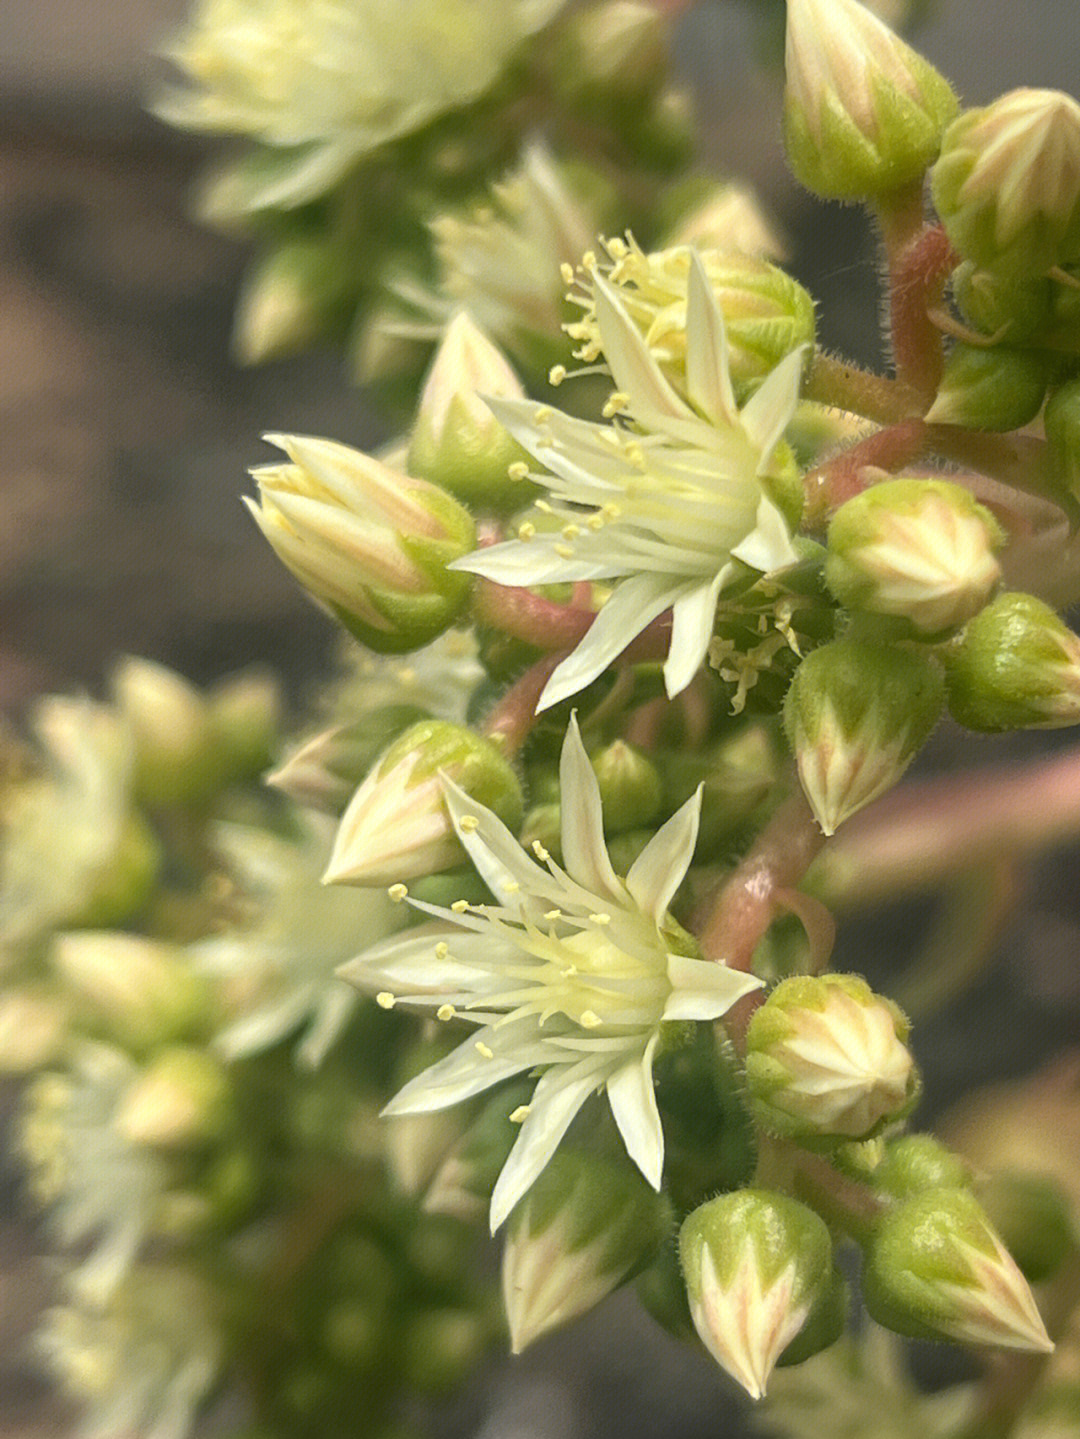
pixel 584 851
pixel 633 1103
pixel 635 372
pixel 534 562
pixel 767 414
pixel 768 546
pixel 461 1074
pixel 633 605
pixel 702 989
pixel 410 965
pixel 661 866
pixel 708 377
pixel 499 859
pixel 692 618
pixel 554 1105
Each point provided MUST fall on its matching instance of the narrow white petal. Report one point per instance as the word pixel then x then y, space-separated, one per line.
pixel 661 866
pixel 554 1104
pixel 768 546
pixel 767 414
pixel 702 989
pixel 464 1072
pixel 633 605
pixel 630 360
pixel 708 376
pixel 499 858
pixel 584 851
pixel 692 617
pixel 633 1103
pixel 534 562
pixel 409 964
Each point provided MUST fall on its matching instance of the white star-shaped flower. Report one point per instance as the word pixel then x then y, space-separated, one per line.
pixel 672 505
pixel 572 973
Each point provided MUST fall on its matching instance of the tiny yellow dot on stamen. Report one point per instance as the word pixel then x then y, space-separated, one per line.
pixel 571 531
pixel 459 906
pixel 519 470
pixel 526 530
pixel 544 507
pixel 484 1050
pixel 445 1012
pixel 616 404
pixel 616 248
pixel 442 949
pixel 541 853
pixel 590 1019
pixel 384 999
pixel 599 918
pixel 589 259
pixel 570 971
pixel 553 914
pixel 397 892
pixel 556 374
pixel 565 552
pixel 469 823
pixel 566 270
pixel 595 522
pixel 510 886
pixel 610 511
pixel 520 1114
pixel 542 414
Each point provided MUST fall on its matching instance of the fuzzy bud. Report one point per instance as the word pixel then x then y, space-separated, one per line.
pixel 756 1265
pixel 323 772
pixel 457 442
pixel 34 1024
pixel 175 756
pixel 585 1227
pixel 935 1269
pixel 989 389
pixel 181 1101
pixel 919 550
pixel 1061 420
pixel 1016 666
pixel 631 790
pixel 826 1058
pixel 915 1162
pixel 369 544
pixel 397 826
pixel 863 112
pixel 856 715
pixel 1001 305
pixel 300 293
pixel 245 716
pixel 1007 184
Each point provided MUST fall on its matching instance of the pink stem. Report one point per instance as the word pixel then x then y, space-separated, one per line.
pixel 510 723
pixel 517 612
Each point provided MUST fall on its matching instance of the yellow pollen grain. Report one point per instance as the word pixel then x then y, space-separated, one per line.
pixel 616 405
pixel 571 531
pixel 570 971
pixel 510 886
pixel 595 522
pixel 589 259
pixel 397 892
pixel 541 853
pixel 519 470
pixel 520 1114
pixel 526 530
pixel 600 919
pixel 616 248
pixel 484 1050
pixel 610 511
pixel 445 1012
pixel 553 913
pixel 556 374
pixel 459 906
pixel 566 270
pixel 469 823
pixel 590 1019
pixel 544 507
pixel 442 949
pixel 542 414
pixel 565 552
pixel 384 999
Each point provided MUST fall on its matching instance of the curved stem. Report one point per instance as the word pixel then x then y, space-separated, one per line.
pixel 831 381
pixel 523 615
pixel 510 723
pixel 828 485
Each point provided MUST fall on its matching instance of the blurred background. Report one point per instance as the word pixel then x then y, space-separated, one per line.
pixel 126 434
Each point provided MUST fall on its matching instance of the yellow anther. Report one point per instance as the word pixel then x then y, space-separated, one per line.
pixel 566 270
pixel 590 1019
pixel 541 853
pixel 526 530
pixel 384 999
pixel 588 260
pixel 610 511
pixel 445 1012
pixel 442 949
pixel 542 414
pixel 600 919
pixel 459 906
pixel 397 892
pixel 595 522
pixel 469 823
pixel 520 1114
pixel 616 248
pixel 571 531
pixel 519 470
pixel 565 552
pixel 510 886
pixel 616 405
pixel 543 506
pixel 556 374
pixel 553 914
pixel 484 1050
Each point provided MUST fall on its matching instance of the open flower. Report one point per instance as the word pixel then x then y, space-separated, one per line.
pixel 572 973
pixel 677 506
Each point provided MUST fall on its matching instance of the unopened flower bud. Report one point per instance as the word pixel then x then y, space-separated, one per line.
pixel 34 1024
pixel 729 218
pixel 856 715
pixel 989 389
pixel 756 1264
pixel 457 442
pixel 138 992
pixel 863 112
pixel 182 1100
pixel 323 772
pixel 935 1269
pixel 919 550
pixel 300 293
pixel 175 756
pixel 826 1058
pixel 1016 666
pixel 1061 421
pixel 368 543
pixel 245 715
pixel 440 1346
pixel 631 790
pixel 1007 183
pixel 914 1162
pixel 1012 309
pixel 397 825
pixel 585 1227
pixel 611 54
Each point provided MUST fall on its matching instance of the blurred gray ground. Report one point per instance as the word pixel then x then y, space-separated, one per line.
pixel 125 436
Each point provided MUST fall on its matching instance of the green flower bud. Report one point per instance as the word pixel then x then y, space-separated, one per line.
pixel 122 887
pixel 299 294
pixel 756 1264
pixel 34 1023
pixel 457 442
pixel 440 1347
pixel 135 991
pixel 611 55
pixel 826 1058
pixel 989 389
pixel 397 825
pixel 176 758
pixel 1034 1218
pixel 584 1228
pixel 863 113
pixel 1007 184
pixel 856 715
pixel 1061 420
pixel 919 550
pixel 728 217
pixel 915 1162
pixel 631 790
pixel 935 1269
pixel 369 544
pixel 463 1183
pixel 767 314
pixel 996 304
pixel 181 1101
pixel 824 1325
pixel 1016 666
pixel 245 716
pixel 324 772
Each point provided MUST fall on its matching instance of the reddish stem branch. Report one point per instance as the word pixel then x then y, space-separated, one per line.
pixel 828 485
pixel 517 612
pixel 510 723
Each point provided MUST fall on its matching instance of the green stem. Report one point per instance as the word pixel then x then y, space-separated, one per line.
pixel 831 381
